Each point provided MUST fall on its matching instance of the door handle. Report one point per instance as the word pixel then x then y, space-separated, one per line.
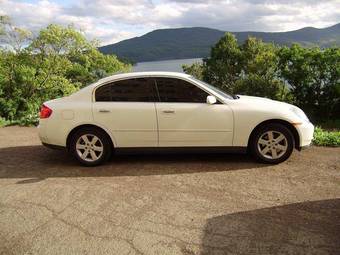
pixel 104 110
pixel 168 111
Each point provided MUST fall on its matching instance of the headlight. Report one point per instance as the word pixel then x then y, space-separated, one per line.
pixel 298 112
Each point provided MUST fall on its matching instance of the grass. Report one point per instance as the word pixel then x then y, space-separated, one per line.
pixel 326 138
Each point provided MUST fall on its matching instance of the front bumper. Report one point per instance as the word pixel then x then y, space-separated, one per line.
pixel 306 132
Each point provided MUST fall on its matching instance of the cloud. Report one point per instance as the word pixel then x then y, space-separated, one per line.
pixel 113 20
pixel 259 15
pixel 35 16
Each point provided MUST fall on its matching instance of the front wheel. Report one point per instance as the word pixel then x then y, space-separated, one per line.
pixel 90 146
pixel 273 144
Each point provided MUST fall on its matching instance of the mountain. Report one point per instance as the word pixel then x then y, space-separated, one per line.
pixel 196 42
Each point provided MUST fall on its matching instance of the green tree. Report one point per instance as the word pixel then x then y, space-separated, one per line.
pixel 314 77
pixel 259 75
pixel 251 68
pixel 224 66
pixel 196 70
pixel 56 63
pixel 12 37
pixel 14 64
pixel 65 44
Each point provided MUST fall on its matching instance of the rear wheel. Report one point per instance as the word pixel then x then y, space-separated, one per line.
pixel 273 143
pixel 90 146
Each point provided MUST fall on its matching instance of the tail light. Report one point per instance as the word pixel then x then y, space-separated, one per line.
pixel 45 112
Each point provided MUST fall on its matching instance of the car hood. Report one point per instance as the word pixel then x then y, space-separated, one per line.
pixel 264 102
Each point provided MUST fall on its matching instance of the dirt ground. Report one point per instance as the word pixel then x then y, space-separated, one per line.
pixel 168 204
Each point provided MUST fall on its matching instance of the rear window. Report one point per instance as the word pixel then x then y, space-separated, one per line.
pixel 131 90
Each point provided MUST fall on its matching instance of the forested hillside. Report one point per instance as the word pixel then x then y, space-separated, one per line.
pixel 196 42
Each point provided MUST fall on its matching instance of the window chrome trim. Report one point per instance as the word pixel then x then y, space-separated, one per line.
pixel 207 90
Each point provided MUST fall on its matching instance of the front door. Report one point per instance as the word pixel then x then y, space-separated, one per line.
pixel 185 119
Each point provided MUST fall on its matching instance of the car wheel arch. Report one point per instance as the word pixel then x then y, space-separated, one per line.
pixel 277 121
pixel 75 129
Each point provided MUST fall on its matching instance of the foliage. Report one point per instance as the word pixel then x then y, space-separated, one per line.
pixel 326 138
pixel 256 85
pixel 224 67
pixel 250 68
pixel 259 75
pixel 307 77
pixel 314 77
pixel 3 122
pixel 13 37
pixel 196 70
pixel 56 63
pixel 330 124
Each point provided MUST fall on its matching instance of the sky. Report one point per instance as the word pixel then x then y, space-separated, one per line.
pixel 111 21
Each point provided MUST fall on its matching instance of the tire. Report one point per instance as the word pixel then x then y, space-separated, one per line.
pixel 272 143
pixel 91 146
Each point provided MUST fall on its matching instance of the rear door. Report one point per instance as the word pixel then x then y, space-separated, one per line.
pixel 127 109
pixel 185 119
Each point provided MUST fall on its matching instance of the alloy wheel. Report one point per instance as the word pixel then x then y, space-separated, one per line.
pixel 272 144
pixel 89 147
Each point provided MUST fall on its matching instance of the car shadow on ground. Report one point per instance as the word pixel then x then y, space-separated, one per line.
pixel 301 228
pixel 38 162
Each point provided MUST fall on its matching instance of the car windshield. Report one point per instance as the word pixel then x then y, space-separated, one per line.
pixel 218 91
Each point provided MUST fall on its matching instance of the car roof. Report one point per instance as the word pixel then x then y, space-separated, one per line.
pixel 142 74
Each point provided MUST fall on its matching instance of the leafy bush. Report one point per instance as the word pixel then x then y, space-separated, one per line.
pixel 3 122
pixel 250 68
pixel 306 77
pixel 326 138
pixel 256 85
pixel 56 63
pixel 196 70
pixel 314 78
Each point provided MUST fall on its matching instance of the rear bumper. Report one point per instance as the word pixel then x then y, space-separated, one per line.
pixel 42 132
pixel 51 134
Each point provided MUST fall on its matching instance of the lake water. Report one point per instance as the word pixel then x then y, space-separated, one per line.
pixel 166 65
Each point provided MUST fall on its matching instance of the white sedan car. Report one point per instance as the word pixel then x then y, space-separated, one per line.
pixel 163 110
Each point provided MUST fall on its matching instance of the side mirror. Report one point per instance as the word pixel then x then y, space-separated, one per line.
pixel 211 100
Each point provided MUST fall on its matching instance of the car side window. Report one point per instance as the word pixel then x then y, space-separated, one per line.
pixel 131 90
pixel 179 91
pixel 103 93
